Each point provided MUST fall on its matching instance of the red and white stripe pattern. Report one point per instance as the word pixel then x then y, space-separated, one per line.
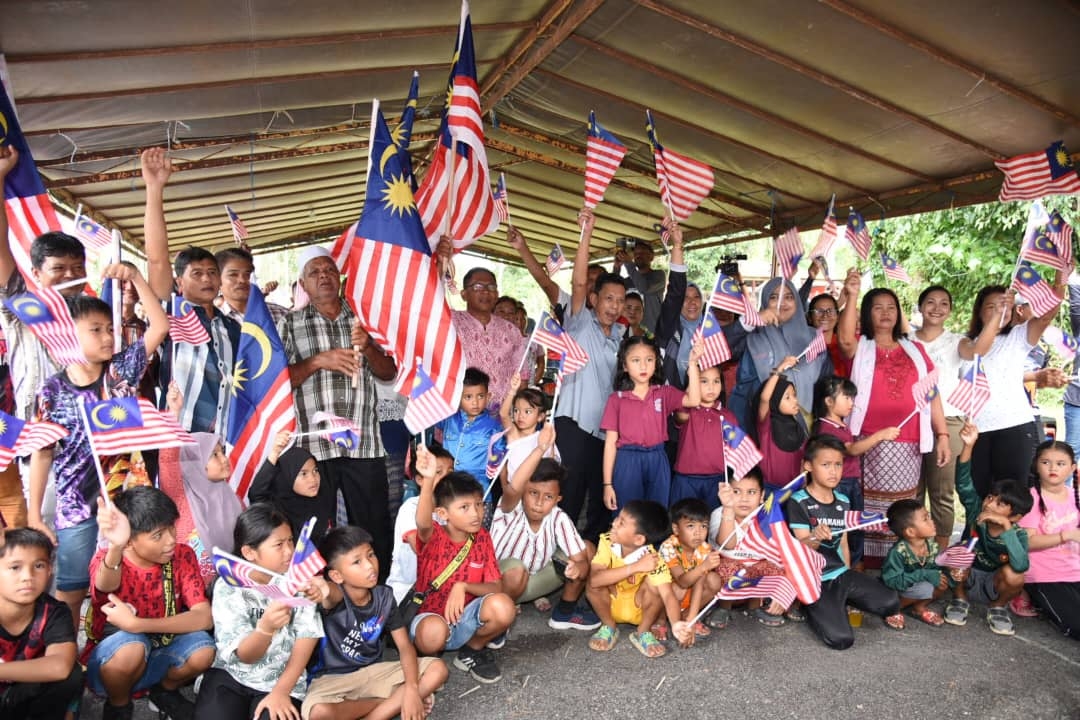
pixel 427 403
pixel 45 313
pixel 512 538
pixel 684 182
pixel 501 200
pixel 859 519
pixel 893 270
pixel 143 427
pixel 788 250
pixel 776 587
pixel 335 422
pixel 1043 172
pixel 1061 234
pixel 816 347
pixel 801 565
pixel 555 260
pixel 857 234
pixel 603 155
pixel 551 335
pixel 239 230
pixel 1031 286
pixel 827 238
pixel 30 436
pixel 924 391
pixel 94 236
pixel 341 251
pixel 307 561
pixel 715 349
pixel 973 391
pixel 185 326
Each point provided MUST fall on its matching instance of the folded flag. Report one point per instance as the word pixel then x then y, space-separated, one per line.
pixel 715 348
pixel 497 455
pixel 93 236
pixel 19 438
pixel 924 391
pixel 740 452
pixel 45 313
pixel 788 250
pixel 306 562
pixel 555 260
pixel 973 390
pixel 827 237
pixel 1031 286
pixel 124 425
pixel 184 325
pixel 776 587
pixel 551 335
pixel 1043 172
pixel 893 270
pixel 342 432
pixel 603 154
pixel 1061 341
pixel 858 235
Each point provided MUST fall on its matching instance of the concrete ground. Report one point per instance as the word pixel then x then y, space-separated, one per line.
pixel 748 670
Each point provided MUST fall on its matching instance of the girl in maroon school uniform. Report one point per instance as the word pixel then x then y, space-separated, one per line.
pixel 781 430
pixel 700 465
pixel 635 420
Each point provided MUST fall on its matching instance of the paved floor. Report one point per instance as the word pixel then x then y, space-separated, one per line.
pixel 752 671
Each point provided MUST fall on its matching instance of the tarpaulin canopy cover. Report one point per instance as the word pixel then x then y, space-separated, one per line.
pixel 895 107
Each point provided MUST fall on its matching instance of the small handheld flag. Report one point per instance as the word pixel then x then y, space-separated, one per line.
pixel 684 182
pixel 788 250
pixel 426 404
pixel 555 260
pixel 123 425
pixel 185 326
pixel 239 230
pixel 45 313
pixel 1031 286
pixel 892 269
pixel 19 438
pixel 740 452
pixel 551 335
pixel 816 347
pixel 603 154
pixel 827 237
pixel 973 390
pixel 501 199
pixel 306 562
pixel 716 348
pixel 923 393
pixel 93 236
pixel 857 234
pixel 1062 342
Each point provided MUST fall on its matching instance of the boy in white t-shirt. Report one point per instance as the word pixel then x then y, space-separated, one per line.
pixel 536 543
pixel 403 561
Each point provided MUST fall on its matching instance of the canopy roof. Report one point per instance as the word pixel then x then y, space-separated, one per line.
pixel 895 107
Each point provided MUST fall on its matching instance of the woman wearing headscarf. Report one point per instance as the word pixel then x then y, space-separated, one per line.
pixel 885 366
pixel 290 480
pixel 785 333
pixel 196 478
pixel 674 335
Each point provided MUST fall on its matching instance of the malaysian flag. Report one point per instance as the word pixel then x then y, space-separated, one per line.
pixel 973 390
pixel 1041 245
pixel 473 206
pixel 684 182
pixel 29 210
pixel 93 236
pixel 782 494
pixel 726 295
pixel 262 404
pixel 859 519
pixel 603 153
pixel 1034 289
pixel 551 335
pixel 45 313
pixel 19 438
pixel 893 270
pixel 239 231
pixel 716 349
pixel 827 237
pixel 768 535
pixel 497 455
pixel 1064 343
pixel 184 325
pixel 237 571
pixel 1061 234
pixel 788 250
pixel 124 425
pixel 393 250
pixel 740 452
pixel 555 260
pixel 924 391
pixel 1043 172
pixel 858 235
pixel 960 557
pixel 776 587
pixel 816 347
pixel 342 432
pixel 306 562
pixel 501 199
pixel 427 405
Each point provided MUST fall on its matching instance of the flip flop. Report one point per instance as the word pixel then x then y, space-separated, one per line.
pixel 719 619
pixel 895 621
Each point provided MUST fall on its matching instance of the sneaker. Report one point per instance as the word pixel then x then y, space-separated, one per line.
pixel 580 618
pixel 112 712
pixel 1022 606
pixel 956 612
pixel 497 642
pixel 1000 621
pixel 172 703
pixel 478 663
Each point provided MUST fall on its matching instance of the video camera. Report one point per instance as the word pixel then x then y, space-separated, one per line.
pixel 729 264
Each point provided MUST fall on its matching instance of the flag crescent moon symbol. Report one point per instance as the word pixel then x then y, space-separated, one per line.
pixel 390 151
pixel 256 333
pixel 96 417
pixel 29 305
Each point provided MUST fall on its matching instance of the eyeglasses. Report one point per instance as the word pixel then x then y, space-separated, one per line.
pixel 824 312
pixel 481 287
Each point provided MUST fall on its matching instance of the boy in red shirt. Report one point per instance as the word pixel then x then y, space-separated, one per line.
pixel 468 612
pixel 149 616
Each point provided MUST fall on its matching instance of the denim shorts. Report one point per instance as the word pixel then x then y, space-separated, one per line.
pixel 921 590
pixel 158 660
pixel 462 630
pixel 75 546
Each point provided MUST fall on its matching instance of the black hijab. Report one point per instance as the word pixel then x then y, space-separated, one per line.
pixel 297 508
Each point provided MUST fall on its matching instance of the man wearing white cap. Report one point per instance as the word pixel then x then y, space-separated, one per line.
pixel 327 349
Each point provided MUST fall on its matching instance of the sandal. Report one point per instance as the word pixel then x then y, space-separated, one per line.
pixel 895 621
pixel 542 604
pixel 999 620
pixel 1022 606
pixel 604 639
pixel 701 631
pixel 929 617
pixel 956 612
pixel 647 644
pixel 768 619
pixel 719 619
pixel 795 614
pixel 660 631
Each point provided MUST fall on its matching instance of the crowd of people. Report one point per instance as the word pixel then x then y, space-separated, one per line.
pixel 614 507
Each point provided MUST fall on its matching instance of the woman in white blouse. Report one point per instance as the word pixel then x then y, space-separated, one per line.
pixel 941 344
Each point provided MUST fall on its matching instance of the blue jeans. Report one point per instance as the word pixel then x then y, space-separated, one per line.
pixel 158 660
pixel 852 487
pixel 1072 427
pixel 75 546
pixel 461 631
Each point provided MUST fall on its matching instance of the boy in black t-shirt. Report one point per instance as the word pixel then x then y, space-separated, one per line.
pixel 351 680
pixel 814 515
pixel 39 677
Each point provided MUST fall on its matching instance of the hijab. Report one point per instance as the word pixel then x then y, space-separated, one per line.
pixel 214 505
pixel 297 508
pixel 686 339
pixel 770 344
pixel 788 431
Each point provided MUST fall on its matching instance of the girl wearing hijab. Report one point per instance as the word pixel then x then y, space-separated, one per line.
pixel 780 428
pixel 196 478
pixel 784 334
pixel 290 480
